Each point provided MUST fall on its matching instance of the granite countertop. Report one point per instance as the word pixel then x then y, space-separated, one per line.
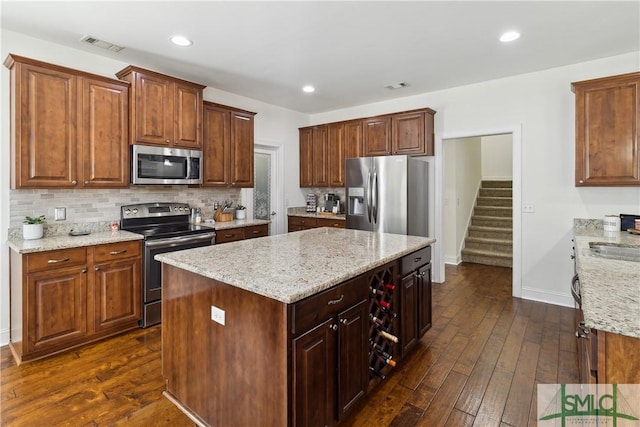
pixel 65 241
pixel 610 288
pixel 223 225
pixel 290 267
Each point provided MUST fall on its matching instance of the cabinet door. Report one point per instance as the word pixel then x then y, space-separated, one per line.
pixel 608 131
pixel 377 136
pixel 241 149
pixel 320 156
pixel 229 235
pixel 306 157
pixel 117 294
pixel 57 314
pixel 408 312
pixel 353 361
pixel 188 116
pixel 336 155
pixel 45 112
pixel 104 133
pixel 353 139
pixel 216 147
pixel 408 133
pixel 424 300
pixel 314 376
pixel 153 110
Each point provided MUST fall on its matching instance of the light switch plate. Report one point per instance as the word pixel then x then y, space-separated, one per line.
pixel 217 315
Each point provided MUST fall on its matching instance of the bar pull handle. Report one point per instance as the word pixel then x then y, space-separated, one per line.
pixel 56 261
pixel 118 252
pixel 336 301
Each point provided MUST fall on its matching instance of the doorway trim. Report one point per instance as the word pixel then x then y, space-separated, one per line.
pixel 516 158
pixel 277 203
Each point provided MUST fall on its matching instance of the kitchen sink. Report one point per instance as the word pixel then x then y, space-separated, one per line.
pixel 615 251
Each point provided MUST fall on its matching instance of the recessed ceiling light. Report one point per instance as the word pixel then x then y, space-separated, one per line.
pixel 509 36
pixel 308 89
pixel 181 41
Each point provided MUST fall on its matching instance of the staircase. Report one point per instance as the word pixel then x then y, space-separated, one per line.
pixel 490 237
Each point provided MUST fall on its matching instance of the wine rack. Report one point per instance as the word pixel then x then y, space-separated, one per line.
pixel 383 303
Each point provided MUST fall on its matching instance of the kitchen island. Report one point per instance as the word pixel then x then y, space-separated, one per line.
pixel 275 331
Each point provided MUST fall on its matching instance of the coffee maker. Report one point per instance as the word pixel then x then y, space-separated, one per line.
pixel 331 201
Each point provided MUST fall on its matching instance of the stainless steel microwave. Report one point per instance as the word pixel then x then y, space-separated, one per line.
pixel 160 165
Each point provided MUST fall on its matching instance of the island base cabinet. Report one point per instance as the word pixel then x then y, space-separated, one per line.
pixel 231 371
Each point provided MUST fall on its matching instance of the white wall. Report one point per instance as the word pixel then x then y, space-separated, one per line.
pixel 542 105
pixel 496 157
pixel 462 160
pixel 273 126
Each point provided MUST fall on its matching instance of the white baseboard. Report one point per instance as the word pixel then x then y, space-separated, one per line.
pixel 555 298
pixel 452 260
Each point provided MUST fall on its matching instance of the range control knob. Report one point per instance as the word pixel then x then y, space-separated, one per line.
pixel 127 212
pixel 135 211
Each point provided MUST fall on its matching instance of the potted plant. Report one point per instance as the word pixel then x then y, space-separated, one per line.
pixel 241 212
pixel 32 227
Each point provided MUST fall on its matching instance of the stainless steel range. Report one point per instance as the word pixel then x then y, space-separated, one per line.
pixel 166 228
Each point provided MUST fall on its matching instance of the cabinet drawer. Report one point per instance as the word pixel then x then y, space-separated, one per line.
pixel 318 308
pixel 303 221
pixel 229 235
pixel 56 259
pixel 254 231
pixel 415 260
pixel 113 251
pixel 328 222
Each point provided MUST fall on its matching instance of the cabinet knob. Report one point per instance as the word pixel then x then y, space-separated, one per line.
pixel 97 269
pixel 334 327
pixel 167 141
pixel 344 321
pixel 86 182
pixel 74 182
pixel 84 270
pixel 581 182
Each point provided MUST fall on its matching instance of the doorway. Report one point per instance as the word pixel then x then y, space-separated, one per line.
pixel 265 201
pixel 440 209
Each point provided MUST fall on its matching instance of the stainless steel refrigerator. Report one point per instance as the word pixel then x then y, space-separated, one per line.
pixel 387 194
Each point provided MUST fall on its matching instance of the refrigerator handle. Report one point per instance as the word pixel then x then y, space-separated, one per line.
pixel 375 197
pixel 369 195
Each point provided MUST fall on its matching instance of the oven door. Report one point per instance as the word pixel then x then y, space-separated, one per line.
pixel 152 279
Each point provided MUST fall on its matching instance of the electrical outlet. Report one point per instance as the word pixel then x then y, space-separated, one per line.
pixel 528 207
pixel 60 214
pixel 217 315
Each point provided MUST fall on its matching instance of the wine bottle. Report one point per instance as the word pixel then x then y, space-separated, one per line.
pixel 388 311
pixel 384 304
pixel 380 350
pixel 389 361
pixel 378 323
pixel 390 286
pixel 377 291
pixel 388 336
pixel 377 373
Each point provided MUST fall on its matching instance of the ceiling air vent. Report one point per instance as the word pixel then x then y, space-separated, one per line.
pixel 102 44
pixel 398 85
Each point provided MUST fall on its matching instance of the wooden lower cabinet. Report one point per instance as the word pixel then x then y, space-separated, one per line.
pixel 415 298
pixel 228 235
pixel 65 298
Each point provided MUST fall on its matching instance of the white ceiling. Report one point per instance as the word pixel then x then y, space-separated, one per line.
pixel 348 50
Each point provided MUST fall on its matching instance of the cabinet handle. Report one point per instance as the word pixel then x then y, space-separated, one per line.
pixel 336 301
pixel 581 182
pixel 97 269
pixel 56 261
pixel 84 270
pixel 167 141
pixel 229 235
pixel 74 182
pixel 86 182
pixel 333 327
pixel 582 335
pixel 118 252
pixel 417 259
pixel 255 231
pixel 344 321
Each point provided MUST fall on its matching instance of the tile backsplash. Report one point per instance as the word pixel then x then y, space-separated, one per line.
pixel 103 206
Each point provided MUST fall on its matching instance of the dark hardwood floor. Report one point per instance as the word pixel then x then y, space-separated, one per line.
pixel 477 366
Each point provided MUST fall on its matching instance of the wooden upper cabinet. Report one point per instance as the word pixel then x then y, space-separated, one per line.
pixel 228 146
pixel 408 133
pixel 353 139
pixel 377 136
pixel 216 165
pixel 336 152
pixel 306 159
pixel 69 128
pixel 104 133
pixel 607 131
pixel 320 156
pixel 165 111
